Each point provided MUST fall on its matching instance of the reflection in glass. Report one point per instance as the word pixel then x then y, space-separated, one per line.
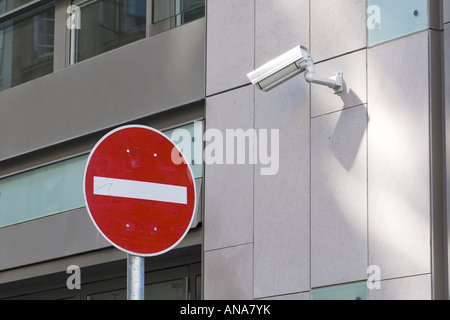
pixel 107 25
pixel 169 14
pixel 26 46
pixel 183 10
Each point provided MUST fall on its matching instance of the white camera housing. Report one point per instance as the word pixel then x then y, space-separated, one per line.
pixel 288 65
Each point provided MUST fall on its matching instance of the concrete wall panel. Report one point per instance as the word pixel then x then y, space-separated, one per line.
pixel 409 288
pixel 282 200
pixel 339 197
pixel 337 27
pixel 230 37
pixel 228 187
pixel 353 66
pixel 228 273
pixel 271 40
pixel 398 157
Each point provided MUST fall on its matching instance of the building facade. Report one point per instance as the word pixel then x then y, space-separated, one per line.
pixel 301 193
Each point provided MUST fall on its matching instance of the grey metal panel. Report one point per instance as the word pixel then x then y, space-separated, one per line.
pixel 48 238
pixel 141 79
pixel 437 156
pixel 162 121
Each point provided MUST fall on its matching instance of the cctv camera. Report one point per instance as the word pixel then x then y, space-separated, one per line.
pixel 288 65
pixel 280 69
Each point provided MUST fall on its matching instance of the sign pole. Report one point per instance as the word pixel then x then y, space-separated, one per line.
pixel 135 277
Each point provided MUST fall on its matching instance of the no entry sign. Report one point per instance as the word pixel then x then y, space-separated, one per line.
pixel 137 197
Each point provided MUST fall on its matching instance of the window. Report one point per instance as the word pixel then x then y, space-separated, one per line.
pixel 26 45
pixel 8 5
pixel 178 278
pixel 41 192
pixel 106 25
pixel 27 31
pixel 174 13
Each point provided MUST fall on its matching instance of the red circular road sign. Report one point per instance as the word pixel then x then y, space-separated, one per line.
pixel 138 198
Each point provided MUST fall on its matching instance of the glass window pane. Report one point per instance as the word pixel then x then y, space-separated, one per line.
pixel 8 5
pixel 43 191
pixel 348 291
pixel 107 25
pixel 391 19
pixel 181 11
pixel 26 46
pixel 192 10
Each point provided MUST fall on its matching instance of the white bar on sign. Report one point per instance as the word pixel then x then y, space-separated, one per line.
pixel 140 190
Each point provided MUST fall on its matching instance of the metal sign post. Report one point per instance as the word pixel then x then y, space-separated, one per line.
pixel 135 277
